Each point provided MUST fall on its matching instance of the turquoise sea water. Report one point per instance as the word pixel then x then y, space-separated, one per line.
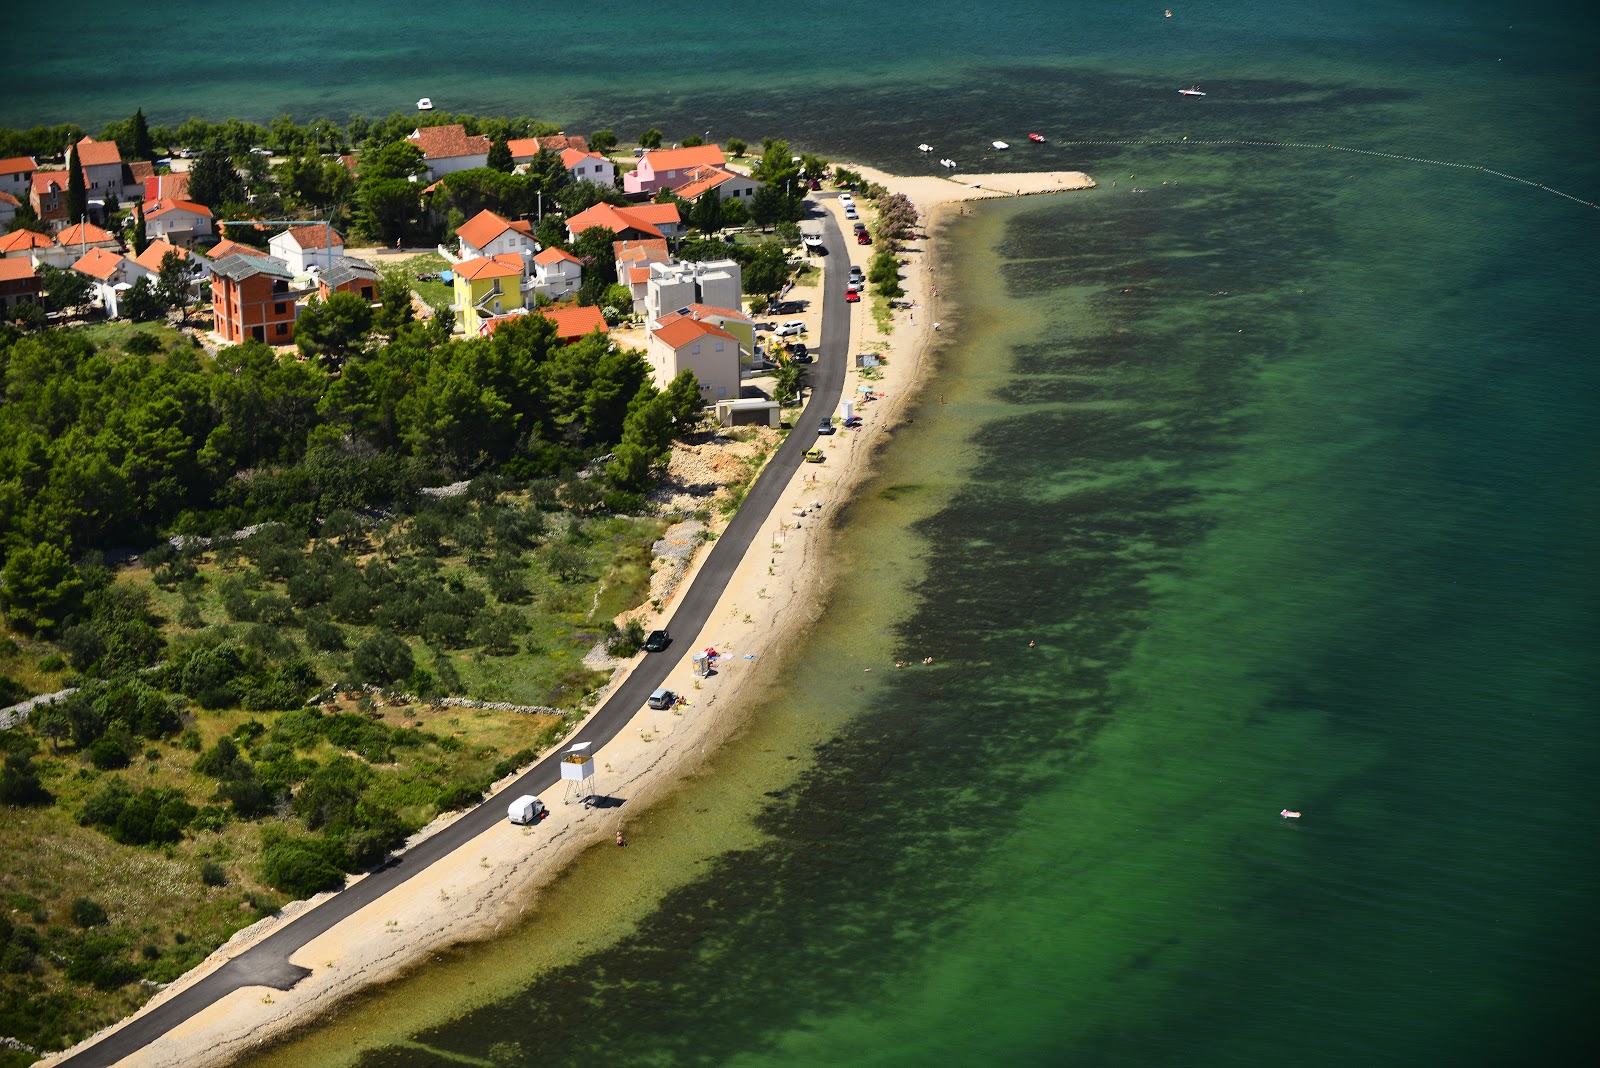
pixel 1285 464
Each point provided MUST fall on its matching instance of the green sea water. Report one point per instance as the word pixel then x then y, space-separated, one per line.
pixel 1284 463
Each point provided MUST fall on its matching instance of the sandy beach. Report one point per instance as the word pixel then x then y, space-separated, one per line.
pixel 780 585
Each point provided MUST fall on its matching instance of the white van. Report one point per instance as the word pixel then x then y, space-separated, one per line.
pixel 527 809
pixel 791 328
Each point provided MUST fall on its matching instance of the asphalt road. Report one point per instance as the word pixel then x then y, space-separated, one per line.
pixel 267 962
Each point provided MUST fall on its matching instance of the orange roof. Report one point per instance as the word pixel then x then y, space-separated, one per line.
pixel 167 186
pixel 309 237
pixel 150 259
pixel 571 157
pixel 612 218
pixel 702 311
pixel 679 159
pixel 443 142
pixel 638 275
pixel 99 263
pixel 49 181
pixel 92 153
pixel 142 170
pixel 502 266
pixel 18 165
pixel 229 247
pixel 641 250
pixel 9 199
pixel 23 241
pixel 530 146
pixel 161 207
pixel 658 214
pixel 485 226
pixel 574 322
pixel 705 178
pixel 681 332
pixel 14 270
pixel 553 255
pixel 85 233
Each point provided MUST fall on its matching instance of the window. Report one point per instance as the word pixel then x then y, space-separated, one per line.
pixel 280 308
pixel 719 346
pixel 722 391
pixel 695 350
pixel 283 328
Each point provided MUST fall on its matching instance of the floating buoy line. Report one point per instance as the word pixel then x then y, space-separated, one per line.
pixel 1355 151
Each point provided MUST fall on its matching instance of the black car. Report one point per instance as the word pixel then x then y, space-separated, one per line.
pixel 797 348
pixel 827 427
pixel 657 641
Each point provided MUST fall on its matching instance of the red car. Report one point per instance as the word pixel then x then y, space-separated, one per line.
pixel 863 238
pixel 852 297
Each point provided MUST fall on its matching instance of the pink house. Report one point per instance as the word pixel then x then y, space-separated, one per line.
pixel 671 167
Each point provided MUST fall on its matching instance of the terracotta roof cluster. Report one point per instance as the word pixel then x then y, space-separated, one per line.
pixel 314 236
pixel 486 226
pixel 443 142
pixel 92 153
pixel 99 263
pixel 49 181
pixel 18 165
pixel 680 159
pixel 555 255
pixel 22 242
pixel 502 266
pixel 150 259
pixel 229 247
pixel 528 147
pixel 167 186
pixel 84 233
pixel 571 157
pixel 641 250
pixel 141 170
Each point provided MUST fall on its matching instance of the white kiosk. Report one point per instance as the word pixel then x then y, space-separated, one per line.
pixel 577 771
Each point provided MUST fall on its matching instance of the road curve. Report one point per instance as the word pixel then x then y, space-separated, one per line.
pixel 267 962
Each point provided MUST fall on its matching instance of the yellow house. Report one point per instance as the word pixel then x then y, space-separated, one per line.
pixel 487 288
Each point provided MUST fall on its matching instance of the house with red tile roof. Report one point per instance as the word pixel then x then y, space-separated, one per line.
pixel 182 222
pixel 253 297
pixel 446 149
pixel 487 288
pixel 167 187
pixel 229 247
pixel 523 149
pixel 302 246
pixel 730 185
pixel 19 283
pixel 732 320
pixel 24 245
pixel 16 175
pixel 635 222
pixel 487 234
pixel 77 239
pixel 47 192
pixel 573 322
pixel 589 167
pixel 556 274
pixel 633 266
pixel 668 168
pixel 103 172
pixel 112 273
pixel 150 259
pixel 710 352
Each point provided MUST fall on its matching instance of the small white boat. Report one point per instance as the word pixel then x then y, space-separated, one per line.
pixel 1289 814
pixel 1193 90
pixel 425 104
pixel 999 144
pixel 924 148
pixel 948 163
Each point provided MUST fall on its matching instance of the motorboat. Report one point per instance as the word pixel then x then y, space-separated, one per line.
pixel 1037 139
pixel 1000 144
pixel 948 163
pixel 1193 90
pixel 425 104
pixel 924 147
pixel 1289 814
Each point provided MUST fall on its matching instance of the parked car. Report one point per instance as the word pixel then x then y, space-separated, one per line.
pixel 797 348
pixel 846 198
pixel 814 456
pixel 856 273
pixel 791 328
pixel 657 641
pixel 850 211
pixel 852 296
pixel 526 809
pixel 860 226
pixel 827 427
pixel 662 698
pixel 801 357
pixel 863 238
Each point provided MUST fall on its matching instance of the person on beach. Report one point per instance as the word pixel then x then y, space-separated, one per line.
pixel 621 841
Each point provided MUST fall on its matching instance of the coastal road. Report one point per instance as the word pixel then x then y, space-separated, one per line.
pixel 267 962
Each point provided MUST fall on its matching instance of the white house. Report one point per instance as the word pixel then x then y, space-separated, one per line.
pixel 556 274
pixel 180 222
pixel 446 149
pixel 102 168
pixel 730 185
pixel 301 246
pixel 523 149
pixel 668 168
pixel 112 274
pixel 677 285
pixel 16 176
pixel 487 234
pixel 589 167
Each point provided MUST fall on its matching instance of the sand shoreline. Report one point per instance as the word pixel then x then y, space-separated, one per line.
pixel 501 874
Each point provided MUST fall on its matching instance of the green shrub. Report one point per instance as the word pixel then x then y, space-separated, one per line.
pixel 87 913
pixel 213 874
pixel 300 867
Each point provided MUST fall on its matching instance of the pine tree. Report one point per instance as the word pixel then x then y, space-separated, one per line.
pixel 142 147
pixel 500 157
pixel 141 240
pixel 77 189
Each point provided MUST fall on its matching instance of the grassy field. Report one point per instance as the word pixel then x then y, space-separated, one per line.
pixel 113 336
pixel 438 295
